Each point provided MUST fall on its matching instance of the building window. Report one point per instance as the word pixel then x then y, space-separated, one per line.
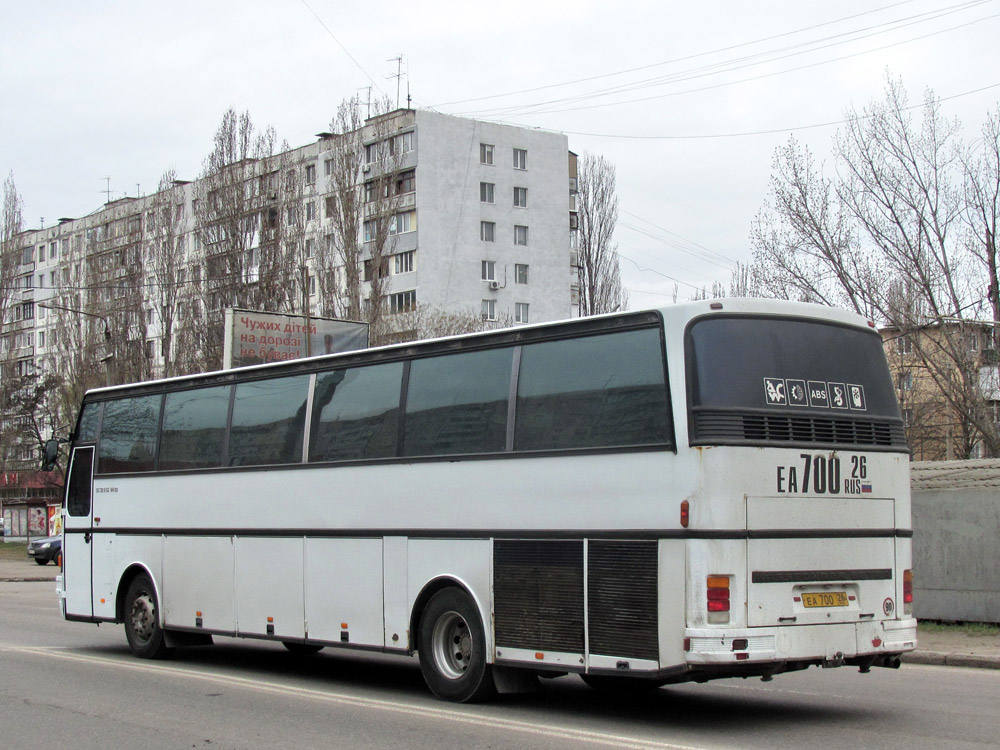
pixel 489 270
pixel 905 381
pixel 489 309
pixel 521 197
pixel 520 235
pixel 310 211
pixel 520 273
pixel 27 255
pixel 41 253
pixel 292 216
pixel 310 247
pixel 370 231
pixel 53 250
pixel 401 144
pixel 403 262
pixel 331 206
pixel 486 153
pixel 904 344
pixel 487 231
pixel 520 312
pixel 403 301
pixel 312 286
pixel 328 167
pixel 520 158
pixel 370 268
pixel 403 222
pixel 310 174
pixel 486 192
pixel 406 182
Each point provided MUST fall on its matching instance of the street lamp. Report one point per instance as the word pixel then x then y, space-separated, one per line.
pixel 109 355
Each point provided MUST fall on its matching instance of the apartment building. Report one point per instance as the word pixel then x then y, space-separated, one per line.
pixel 946 379
pixel 455 216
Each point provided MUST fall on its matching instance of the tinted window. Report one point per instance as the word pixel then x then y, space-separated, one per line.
pixel 78 493
pixel 269 417
pixel 783 364
pixel 90 419
pixel 458 404
pixel 598 391
pixel 194 427
pixel 355 413
pixel 128 434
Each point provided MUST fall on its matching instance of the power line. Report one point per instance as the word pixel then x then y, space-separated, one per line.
pixel 667 62
pixel 727 66
pixel 773 131
pixel 342 47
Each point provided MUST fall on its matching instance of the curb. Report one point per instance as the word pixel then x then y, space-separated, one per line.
pixel 939 658
pixel 26 579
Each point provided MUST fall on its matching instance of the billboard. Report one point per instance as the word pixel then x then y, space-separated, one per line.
pixel 254 337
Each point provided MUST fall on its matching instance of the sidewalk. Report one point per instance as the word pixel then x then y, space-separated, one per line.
pixel 949 648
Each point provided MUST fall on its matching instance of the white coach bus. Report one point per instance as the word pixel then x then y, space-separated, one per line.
pixel 706 490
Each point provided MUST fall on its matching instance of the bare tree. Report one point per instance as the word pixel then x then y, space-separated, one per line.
pixel 599 271
pixel 883 238
pixel 364 187
pixel 166 264
pixel 234 209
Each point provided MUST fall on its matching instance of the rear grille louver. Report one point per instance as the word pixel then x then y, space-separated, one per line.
pixel 734 428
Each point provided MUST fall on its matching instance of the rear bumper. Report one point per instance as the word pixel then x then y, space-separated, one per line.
pixel 830 645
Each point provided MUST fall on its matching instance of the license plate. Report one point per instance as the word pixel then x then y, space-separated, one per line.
pixel 825 599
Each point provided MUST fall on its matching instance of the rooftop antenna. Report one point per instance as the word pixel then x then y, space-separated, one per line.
pixel 107 189
pixel 399 74
pixel 369 90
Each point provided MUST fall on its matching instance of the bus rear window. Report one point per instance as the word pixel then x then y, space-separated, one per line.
pixel 780 380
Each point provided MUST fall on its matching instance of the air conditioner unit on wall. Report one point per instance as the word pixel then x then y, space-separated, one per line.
pixel 494 285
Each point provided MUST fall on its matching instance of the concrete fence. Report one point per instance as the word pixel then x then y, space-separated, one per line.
pixel 956 540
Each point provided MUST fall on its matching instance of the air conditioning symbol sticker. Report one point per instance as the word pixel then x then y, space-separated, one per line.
pixel 774 391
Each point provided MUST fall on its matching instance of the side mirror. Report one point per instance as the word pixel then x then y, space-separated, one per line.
pixel 51 456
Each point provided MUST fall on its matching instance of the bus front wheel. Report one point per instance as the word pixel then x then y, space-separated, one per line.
pixel 452 647
pixel 142 623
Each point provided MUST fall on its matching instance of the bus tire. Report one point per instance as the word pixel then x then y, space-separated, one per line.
pixel 452 648
pixel 294 647
pixel 142 623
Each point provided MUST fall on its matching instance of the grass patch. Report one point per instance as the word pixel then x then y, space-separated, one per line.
pixel 14 551
pixel 966 628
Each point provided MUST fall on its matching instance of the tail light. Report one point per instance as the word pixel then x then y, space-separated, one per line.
pixel 717 598
pixel 907 592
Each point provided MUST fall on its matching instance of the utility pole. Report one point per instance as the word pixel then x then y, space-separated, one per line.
pixel 305 308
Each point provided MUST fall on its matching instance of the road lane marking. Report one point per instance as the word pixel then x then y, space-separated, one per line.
pixel 456 716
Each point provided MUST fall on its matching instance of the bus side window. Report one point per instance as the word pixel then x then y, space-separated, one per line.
pixel 128 434
pixel 593 392
pixel 269 418
pixel 90 419
pixel 356 413
pixel 458 404
pixel 194 427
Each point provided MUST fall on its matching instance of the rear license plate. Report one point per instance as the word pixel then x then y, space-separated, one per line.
pixel 825 599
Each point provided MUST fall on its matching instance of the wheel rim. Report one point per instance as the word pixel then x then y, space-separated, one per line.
pixel 143 616
pixel 451 643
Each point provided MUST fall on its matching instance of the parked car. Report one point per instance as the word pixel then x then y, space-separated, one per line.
pixel 45 550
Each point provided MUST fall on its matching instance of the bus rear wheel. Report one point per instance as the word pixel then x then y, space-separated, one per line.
pixel 142 623
pixel 452 647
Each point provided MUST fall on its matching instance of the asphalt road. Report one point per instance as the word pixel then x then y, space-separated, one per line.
pixel 76 685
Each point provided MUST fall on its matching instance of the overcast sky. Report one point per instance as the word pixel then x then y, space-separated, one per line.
pixel 688 100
